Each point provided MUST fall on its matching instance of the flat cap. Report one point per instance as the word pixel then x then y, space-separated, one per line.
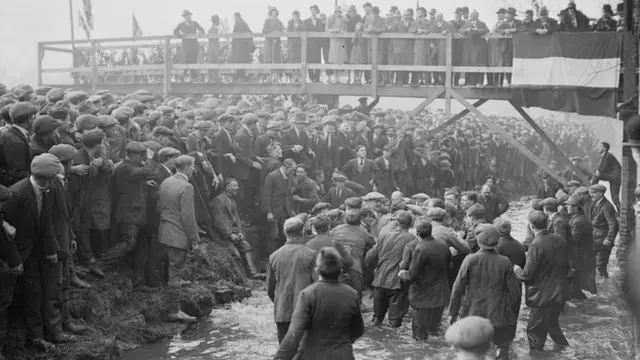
pixel 64 152
pixel 5 193
pixel 136 147
pixel 55 95
pixel 300 118
pixel 92 137
pixel 273 125
pixel 168 152
pixel 45 124
pixel 87 107
pixel 226 118
pixel 45 165
pixel 317 208
pixel 122 113
pixel 86 122
pixel 574 183
pixel 249 118
pixel 475 210
pixel 487 236
pixel 188 114
pixel 161 131
pixel 582 190
pixel 338 176
pixel 202 125
pixel 76 97
pixel 374 195
pixel 574 200
pixel 550 201
pixel 436 212
pixel 263 115
pixel 165 110
pixel 598 187
pixel 421 196
pixel 105 121
pixel 22 109
pixel 469 332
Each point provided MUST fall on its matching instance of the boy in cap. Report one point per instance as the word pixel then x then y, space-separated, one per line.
pixel 484 270
pixel 30 211
pixel 339 193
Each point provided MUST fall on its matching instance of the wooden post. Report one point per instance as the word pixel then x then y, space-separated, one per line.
pixel 166 83
pixel 552 145
pixel 426 103
pixel 304 42
pixel 374 66
pixel 449 74
pixel 507 137
pixel 94 65
pixel 433 132
pixel 39 64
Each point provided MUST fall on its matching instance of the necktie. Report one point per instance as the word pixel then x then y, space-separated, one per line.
pixel 329 141
pixel 339 192
pixel 361 162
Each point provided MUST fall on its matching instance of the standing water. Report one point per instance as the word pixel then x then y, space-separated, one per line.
pixel 596 329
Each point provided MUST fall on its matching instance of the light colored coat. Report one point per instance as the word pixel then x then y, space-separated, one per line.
pixel 178 226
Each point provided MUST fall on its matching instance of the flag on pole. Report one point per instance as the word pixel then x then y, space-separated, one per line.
pixel 137 31
pixel 569 72
pixel 83 24
pixel 88 13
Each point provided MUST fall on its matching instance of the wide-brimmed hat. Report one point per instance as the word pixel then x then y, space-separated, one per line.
pixel 186 13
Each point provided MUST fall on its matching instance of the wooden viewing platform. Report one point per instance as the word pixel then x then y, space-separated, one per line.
pixel 165 71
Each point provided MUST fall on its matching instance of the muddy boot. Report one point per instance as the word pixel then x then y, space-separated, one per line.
pixel 502 353
pixel 173 304
pixel 253 272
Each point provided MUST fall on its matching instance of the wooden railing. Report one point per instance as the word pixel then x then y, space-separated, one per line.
pixel 168 67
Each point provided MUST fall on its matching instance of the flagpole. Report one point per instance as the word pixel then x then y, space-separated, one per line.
pixel 73 37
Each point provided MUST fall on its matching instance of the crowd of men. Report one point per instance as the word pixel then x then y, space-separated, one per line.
pixel 89 180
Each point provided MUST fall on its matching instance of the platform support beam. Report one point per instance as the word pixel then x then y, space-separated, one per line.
pixel 427 102
pixel 507 137
pixel 552 145
pixel 448 78
pixel 433 132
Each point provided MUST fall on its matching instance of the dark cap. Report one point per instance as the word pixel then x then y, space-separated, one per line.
pixel 475 211
pixel 105 121
pixel 575 183
pixel 161 131
pixel 86 122
pixel 22 109
pixel 136 147
pixel 166 152
pixel 45 165
pixel 487 236
pixel 87 107
pixel 64 152
pixel 92 138
pixel 45 124
pixel 598 188
pixel 501 11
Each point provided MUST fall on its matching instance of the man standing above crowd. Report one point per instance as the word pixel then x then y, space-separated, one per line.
pixel 609 170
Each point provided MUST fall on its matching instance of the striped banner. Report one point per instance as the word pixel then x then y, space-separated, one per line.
pixel 570 72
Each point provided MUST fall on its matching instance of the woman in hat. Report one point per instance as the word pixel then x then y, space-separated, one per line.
pixel 421 47
pixel 337 23
pixel 272 52
pixel 241 49
pixel 213 48
pixel 358 52
pixel 190 47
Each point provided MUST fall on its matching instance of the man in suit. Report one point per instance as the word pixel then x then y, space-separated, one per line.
pixel 383 180
pixel 327 152
pixel 545 275
pixel 379 140
pixel 178 230
pixel 360 169
pixel 320 226
pixel 248 167
pixel 494 206
pixel 30 211
pixel 225 139
pixel 271 137
pixel 305 191
pixel 314 46
pixel 156 252
pixel 544 24
pixel 611 171
pixel 339 193
pixel 227 223
pixel 558 224
pixel 605 227
pixel 15 152
pixel 131 180
pixel 277 202
pixel 290 271
pixel 296 143
pixel 63 213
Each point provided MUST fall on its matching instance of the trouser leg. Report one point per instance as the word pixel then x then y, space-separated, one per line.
pixel 380 304
pixel 157 256
pixel 282 328
pixel 7 287
pixel 141 257
pixel 83 240
pixel 554 325
pixel 538 327
pixel 51 278
pixel 502 338
pixel 602 260
pixel 356 281
pixel 615 192
pixel 128 236
pixel 420 324
pixel 64 290
pixel 398 306
pixel 31 284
